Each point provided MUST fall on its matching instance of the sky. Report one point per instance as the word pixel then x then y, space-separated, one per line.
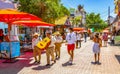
pixel 96 6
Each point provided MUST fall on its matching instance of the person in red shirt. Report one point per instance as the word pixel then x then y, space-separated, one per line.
pixel 105 39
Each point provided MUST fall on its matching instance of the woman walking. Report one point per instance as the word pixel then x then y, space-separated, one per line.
pixel 96 47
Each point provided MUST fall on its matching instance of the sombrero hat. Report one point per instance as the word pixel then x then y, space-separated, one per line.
pixel 56 33
pixel 35 34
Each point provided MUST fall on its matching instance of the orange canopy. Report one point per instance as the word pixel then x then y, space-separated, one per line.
pixel 10 11
pixel 10 15
pixel 32 23
pixel 78 29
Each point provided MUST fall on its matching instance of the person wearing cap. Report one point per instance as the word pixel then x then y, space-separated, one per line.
pixel 58 42
pixel 50 49
pixel 71 40
pixel 36 50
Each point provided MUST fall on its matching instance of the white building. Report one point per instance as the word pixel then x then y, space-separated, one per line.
pixel 81 13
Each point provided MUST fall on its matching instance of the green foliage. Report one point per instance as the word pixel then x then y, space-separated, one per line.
pixel 94 21
pixel 48 10
pixel 72 10
pixel 76 20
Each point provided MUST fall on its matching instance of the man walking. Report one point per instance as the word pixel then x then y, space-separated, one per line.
pixel 58 44
pixel 50 49
pixel 36 50
pixel 85 36
pixel 71 40
pixel 78 42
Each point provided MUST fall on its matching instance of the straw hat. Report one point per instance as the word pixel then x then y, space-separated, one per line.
pixel 36 34
pixel 56 33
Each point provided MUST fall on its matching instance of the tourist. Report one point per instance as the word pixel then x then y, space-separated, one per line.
pixel 96 47
pixel 78 42
pixel 112 39
pixel 71 40
pixel 85 36
pixel 105 39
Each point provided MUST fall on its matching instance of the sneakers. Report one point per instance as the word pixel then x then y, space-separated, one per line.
pixel 54 61
pixel 70 62
pixel 47 65
pixel 35 62
pixel 38 62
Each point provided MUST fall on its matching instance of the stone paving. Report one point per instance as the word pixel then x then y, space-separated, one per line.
pixel 110 62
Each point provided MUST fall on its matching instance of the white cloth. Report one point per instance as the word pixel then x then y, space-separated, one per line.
pixel 52 41
pixel 113 37
pixel 34 42
pixel 78 36
pixel 58 39
pixel 96 48
pixel 71 38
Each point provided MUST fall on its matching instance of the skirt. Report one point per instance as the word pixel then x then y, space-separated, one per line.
pixel 96 48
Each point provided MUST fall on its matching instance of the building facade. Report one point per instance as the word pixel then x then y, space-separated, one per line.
pixel 116 22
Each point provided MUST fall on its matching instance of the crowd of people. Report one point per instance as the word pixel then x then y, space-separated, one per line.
pixel 53 49
pixel 72 39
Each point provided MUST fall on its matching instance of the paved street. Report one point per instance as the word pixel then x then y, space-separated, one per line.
pixel 110 62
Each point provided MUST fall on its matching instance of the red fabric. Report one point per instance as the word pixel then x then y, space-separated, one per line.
pixel 71 47
pixel 9 18
pixel 105 37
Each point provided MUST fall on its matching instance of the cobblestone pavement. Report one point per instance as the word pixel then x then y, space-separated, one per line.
pixel 110 62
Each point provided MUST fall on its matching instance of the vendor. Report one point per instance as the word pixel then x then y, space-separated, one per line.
pixel 1 35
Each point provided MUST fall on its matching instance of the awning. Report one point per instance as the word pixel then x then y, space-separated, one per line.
pixel 61 21
pixel 78 29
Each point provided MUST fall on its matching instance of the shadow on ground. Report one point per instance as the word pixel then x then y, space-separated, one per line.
pixel 118 58
pixel 14 68
pixel 41 67
pixel 67 64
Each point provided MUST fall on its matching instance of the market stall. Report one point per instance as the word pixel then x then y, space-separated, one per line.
pixel 12 48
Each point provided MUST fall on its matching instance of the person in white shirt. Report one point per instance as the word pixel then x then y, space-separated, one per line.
pixel 78 42
pixel 58 43
pixel 71 40
pixel 50 49
pixel 36 50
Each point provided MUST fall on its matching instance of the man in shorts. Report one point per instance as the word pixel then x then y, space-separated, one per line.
pixel 71 40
